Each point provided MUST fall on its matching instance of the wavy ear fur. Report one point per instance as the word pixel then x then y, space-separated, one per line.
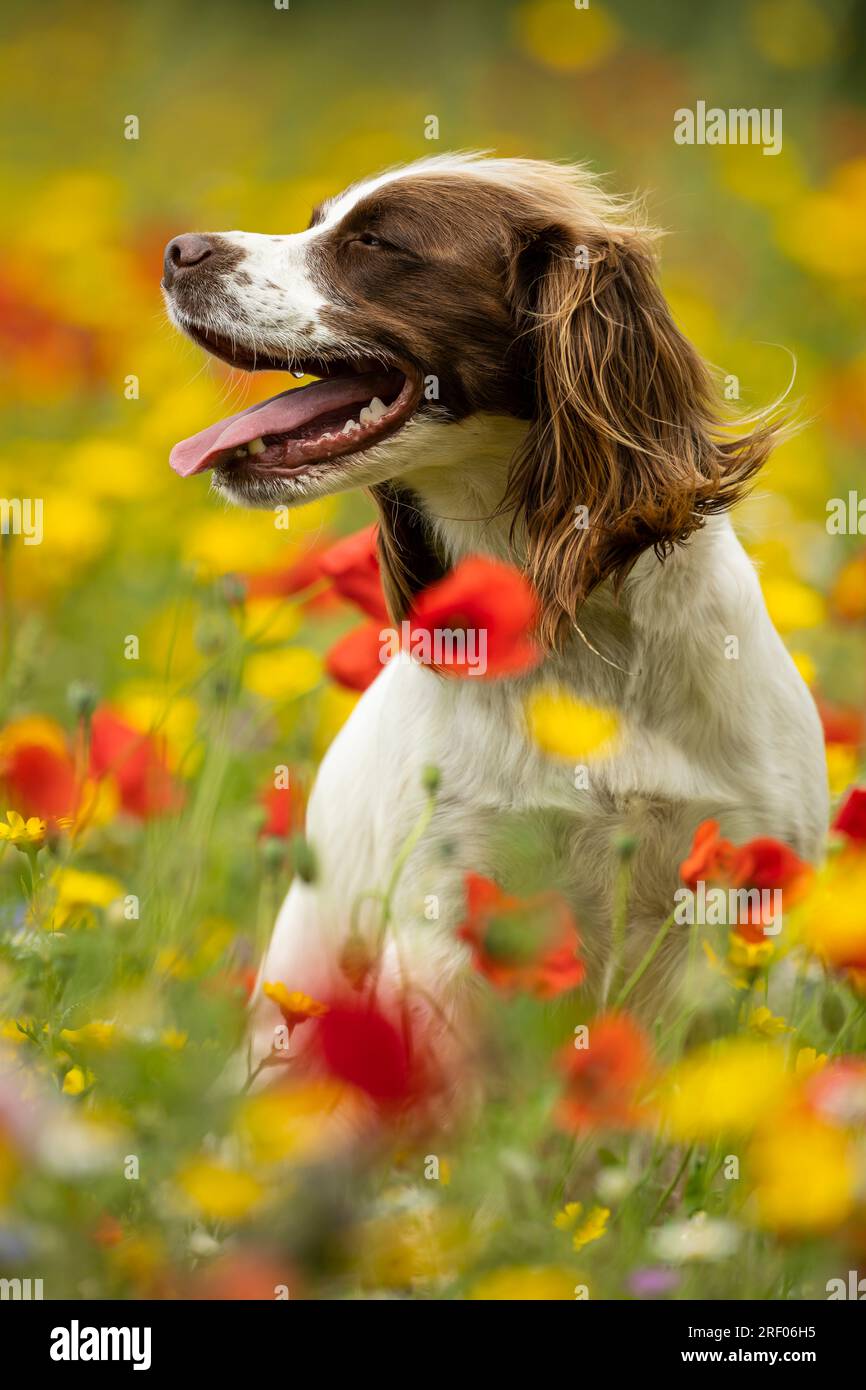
pixel 626 423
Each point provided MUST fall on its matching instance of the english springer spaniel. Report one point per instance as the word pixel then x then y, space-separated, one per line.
pixel 492 354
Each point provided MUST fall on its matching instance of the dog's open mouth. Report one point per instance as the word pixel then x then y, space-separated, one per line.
pixel 352 406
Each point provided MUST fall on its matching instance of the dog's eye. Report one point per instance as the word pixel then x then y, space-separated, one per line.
pixel 368 239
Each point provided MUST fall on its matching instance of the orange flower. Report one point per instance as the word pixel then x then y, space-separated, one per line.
pixel 491 600
pixel 529 945
pixel 605 1079
pixel 295 1006
pixel 711 858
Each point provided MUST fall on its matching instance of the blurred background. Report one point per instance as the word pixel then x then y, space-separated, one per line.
pixel 246 116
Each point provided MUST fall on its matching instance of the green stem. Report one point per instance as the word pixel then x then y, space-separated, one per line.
pixel 409 844
pixel 662 1201
pixel 638 974
pixel 620 917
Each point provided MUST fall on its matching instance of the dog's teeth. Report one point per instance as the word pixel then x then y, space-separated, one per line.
pixel 367 417
pixel 298 375
pixel 256 446
pixel 241 451
pixel 349 426
pixel 377 408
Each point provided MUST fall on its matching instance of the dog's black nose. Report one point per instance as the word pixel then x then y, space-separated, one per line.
pixel 183 253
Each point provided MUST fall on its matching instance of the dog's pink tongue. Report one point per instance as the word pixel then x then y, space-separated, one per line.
pixel 279 415
pixel 274 416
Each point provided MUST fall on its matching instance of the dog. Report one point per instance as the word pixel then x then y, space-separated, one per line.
pixel 492 355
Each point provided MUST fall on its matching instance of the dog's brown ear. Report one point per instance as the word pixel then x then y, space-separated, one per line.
pixel 408 560
pixel 626 449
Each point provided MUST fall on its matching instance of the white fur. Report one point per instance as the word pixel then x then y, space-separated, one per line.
pixel 704 736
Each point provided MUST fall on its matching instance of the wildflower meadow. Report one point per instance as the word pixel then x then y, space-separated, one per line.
pixel 172 671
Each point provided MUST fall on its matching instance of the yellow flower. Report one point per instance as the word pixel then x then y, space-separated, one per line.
pixel 792 604
pixel 765 1023
pixel 568 728
pixel 749 955
pixel 76 1080
pixel 270 620
pixel 806 666
pixel 842 765
pixel 803 1174
pixel 218 1192
pixel 723 1088
pixel 568 1217
pixel 593 1228
pixel 834 217
pixel 295 1006
pixel 173 1039
pixel 808 1061
pixel 12 1029
pixel 564 38
pixel 294 1122
pixel 95 1034
pixel 79 891
pixel 283 674
pixel 521 1283
pixel 832 921
pixel 23 834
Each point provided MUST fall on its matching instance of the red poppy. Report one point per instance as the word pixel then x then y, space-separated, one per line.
pixel 39 781
pixel 284 809
pixel 355 660
pixel 767 863
pixel 764 864
pixel 529 944
pixel 137 762
pixel 851 817
pixel 490 602
pixel 604 1081
pixel 352 565
pixel 359 1044
pixel 711 859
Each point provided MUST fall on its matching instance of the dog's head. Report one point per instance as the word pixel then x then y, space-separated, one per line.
pixel 457 287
